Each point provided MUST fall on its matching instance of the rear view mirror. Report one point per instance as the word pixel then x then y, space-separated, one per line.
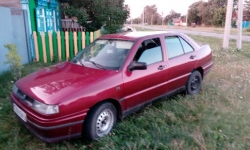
pixel 137 66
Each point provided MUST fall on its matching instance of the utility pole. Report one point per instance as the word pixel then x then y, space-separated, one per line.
pixel 239 24
pixel 228 24
pixel 151 20
pixel 143 19
pixel 162 18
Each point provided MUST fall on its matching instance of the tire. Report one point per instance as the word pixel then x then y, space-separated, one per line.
pixel 100 121
pixel 193 85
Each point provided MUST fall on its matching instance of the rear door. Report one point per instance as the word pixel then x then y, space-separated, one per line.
pixel 182 61
pixel 141 86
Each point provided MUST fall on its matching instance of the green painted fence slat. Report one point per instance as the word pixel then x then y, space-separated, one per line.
pixel 87 38
pixel 55 48
pixel 63 46
pixel 79 38
pixel 47 46
pixel 40 48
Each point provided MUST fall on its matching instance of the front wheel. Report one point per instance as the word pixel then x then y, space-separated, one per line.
pixel 194 83
pixel 100 121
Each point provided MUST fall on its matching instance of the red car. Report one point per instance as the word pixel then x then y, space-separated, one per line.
pixel 113 77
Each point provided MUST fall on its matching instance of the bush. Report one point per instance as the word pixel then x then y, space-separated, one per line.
pixel 13 60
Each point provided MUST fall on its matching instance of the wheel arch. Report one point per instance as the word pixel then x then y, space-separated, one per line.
pixel 200 70
pixel 112 101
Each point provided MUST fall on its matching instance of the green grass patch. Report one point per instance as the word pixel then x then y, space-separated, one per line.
pixel 217 118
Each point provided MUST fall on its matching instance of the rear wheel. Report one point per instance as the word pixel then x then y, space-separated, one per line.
pixel 194 83
pixel 100 121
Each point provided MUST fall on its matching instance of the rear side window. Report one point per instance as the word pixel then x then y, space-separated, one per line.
pixel 174 47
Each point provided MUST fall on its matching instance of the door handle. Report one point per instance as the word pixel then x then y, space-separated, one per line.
pixel 192 56
pixel 161 67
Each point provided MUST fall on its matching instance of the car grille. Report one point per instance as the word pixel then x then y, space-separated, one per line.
pixel 25 98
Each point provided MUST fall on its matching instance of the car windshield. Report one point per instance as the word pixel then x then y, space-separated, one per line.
pixel 104 54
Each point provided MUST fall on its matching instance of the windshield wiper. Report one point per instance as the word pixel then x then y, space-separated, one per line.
pixel 79 61
pixel 97 65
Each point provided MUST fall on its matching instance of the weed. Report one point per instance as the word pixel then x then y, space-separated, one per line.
pixel 13 60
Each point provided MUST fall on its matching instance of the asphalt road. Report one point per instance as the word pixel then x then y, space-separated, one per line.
pixel 211 34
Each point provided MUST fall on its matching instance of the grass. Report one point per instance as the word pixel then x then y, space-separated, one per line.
pixel 217 118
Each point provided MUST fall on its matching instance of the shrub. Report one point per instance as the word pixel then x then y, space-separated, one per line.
pixel 13 60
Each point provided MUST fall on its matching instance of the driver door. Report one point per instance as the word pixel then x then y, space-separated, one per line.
pixel 141 86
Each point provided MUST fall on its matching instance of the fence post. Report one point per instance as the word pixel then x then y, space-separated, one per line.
pixel 71 46
pixel 59 46
pixel 44 48
pixel 36 45
pixel 67 44
pixel 91 37
pixel 75 42
pixel 83 40
pixel 51 46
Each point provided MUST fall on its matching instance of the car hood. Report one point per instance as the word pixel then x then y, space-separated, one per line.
pixel 55 82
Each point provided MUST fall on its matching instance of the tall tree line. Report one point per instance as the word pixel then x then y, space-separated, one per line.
pixel 213 12
pixel 150 16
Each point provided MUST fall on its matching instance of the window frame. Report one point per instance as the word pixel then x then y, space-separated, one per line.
pixel 187 44
pixel 146 41
pixel 41 19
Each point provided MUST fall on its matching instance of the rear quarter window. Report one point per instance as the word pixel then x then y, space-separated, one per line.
pixel 187 48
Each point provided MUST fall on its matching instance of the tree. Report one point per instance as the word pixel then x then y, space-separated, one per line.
pixel 137 20
pixel 212 12
pixel 151 16
pixel 93 14
pixel 194 15
pixel 219 17
pixel 247 10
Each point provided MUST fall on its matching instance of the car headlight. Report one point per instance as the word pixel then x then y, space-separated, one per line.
pixel 44 108
pixel 36 105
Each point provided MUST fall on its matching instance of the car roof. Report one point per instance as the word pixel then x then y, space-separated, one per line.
pixel 133 35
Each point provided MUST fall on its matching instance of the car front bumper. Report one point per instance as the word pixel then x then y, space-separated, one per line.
pixel 53 129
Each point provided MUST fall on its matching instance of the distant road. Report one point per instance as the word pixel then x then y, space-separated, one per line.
pixel 211 34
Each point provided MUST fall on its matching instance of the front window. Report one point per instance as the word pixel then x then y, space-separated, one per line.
pixel 150 51
pixel 104 54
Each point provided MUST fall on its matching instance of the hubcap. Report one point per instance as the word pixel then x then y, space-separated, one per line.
pixel 104 122
pixel 195 83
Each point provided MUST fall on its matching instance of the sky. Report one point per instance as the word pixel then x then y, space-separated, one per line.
pixel 163 6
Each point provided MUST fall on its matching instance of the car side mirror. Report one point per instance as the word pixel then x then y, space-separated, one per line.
pixel 137 66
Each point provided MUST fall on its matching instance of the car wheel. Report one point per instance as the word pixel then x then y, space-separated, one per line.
pixel 194 83
pixel 100 121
